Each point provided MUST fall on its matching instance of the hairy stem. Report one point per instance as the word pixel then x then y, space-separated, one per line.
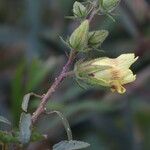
pixel 54 86
pixel 94 11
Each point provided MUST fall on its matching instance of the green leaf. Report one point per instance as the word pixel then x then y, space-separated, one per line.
pixel 4 120
pixel 17 92
pixel 26 99
pixel 79 10
pixel 65 123
pixel 38 71
pixel 25 102
pixel 108 5
pixel 70 145
pixel 24 126
pixel 6 137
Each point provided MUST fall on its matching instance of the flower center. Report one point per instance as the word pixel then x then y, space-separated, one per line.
pixel 116 86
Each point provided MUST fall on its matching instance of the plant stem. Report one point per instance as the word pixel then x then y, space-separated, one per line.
pixel 93 13
pixel 54 86
pixel 41 109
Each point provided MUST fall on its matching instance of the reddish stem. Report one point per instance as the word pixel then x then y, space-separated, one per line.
pixel 94 11
pixel 52 89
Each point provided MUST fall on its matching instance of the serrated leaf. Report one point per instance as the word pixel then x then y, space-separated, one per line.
pixel 25 102
pixel 4 120
pixel 70 145
pixel 24 126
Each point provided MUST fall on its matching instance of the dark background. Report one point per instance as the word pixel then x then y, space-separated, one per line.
pixel 31 55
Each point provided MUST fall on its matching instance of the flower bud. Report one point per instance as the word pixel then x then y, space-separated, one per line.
pixel 108 5
pixel 79 10
pixel 79 38
pixel 107 72
pixel 96 38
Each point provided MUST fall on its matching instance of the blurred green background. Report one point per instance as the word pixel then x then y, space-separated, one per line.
pixel 31 55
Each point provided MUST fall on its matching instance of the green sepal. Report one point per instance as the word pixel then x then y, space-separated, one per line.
pixel 79 10
pixel 96 38
pixel 83 70
pixel 107 6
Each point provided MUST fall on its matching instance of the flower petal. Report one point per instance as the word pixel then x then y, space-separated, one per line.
pixel 129 78
pixel 103 61
pixel 126 60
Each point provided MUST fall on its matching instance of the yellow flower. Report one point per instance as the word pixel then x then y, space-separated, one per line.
pixel 109 72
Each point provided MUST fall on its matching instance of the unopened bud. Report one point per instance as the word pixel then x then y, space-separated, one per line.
pixel 79 38
pixel 96 38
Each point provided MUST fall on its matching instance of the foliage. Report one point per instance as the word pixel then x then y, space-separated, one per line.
pixel 107 121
